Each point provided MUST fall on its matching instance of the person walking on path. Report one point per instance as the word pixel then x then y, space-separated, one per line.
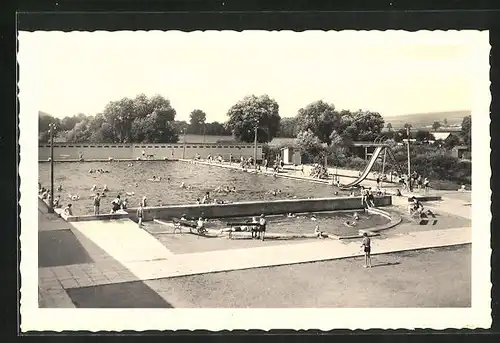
pixel 97 204
pixel 366 245
pixel 140 214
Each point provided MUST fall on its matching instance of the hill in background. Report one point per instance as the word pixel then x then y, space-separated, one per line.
pixel 425 120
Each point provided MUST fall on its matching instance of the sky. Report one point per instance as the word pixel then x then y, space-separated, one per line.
pixel 391 72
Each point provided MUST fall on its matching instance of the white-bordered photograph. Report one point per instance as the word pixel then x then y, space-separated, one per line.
pixel 228 180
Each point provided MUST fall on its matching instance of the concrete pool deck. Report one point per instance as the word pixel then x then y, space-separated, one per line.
pixel 138 256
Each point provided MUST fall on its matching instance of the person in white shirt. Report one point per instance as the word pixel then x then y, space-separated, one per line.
pixel 262 228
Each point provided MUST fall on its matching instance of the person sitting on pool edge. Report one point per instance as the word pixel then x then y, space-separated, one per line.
pixel 319 234
pixel 116 204
pixel 68 210
pixel 206 199
pixel 415 207
pixel 56 202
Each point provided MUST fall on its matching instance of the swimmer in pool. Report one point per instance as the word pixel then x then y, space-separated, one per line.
pixel 94 187
pixel 291 215
pixel 183 185
pixel 105 188
pixel 59 188
pixel 73 197
pixel 350 223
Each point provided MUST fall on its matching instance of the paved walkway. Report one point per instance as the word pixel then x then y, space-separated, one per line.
pixel 122 253
pixel 147 261
pixel 123 240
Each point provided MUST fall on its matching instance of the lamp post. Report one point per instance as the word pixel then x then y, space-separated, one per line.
pixel 408 145
pixel 255 149
pixel 184 142
pixel 52 128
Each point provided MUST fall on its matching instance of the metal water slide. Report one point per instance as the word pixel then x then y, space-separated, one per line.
pixel 367 170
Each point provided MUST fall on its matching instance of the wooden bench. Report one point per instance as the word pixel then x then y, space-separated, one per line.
pixel 191 224
pixel 255 227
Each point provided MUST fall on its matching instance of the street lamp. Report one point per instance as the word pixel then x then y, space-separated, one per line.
pixel 184 139
pixel 409 171
pixel 52 128
pixel 255 149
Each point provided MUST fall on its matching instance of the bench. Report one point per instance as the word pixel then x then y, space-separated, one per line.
pixel 191 224
pixel 256 227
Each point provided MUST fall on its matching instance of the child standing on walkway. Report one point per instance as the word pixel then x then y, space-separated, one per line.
pixel 366 245
pixel 140 214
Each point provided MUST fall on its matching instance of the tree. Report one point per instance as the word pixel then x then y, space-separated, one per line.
pixel 360 125
pixel 407 126
pixel 320 118
pixel 287 128
pixel 68 123
pixel 44 120
pixel 436 125
pixel 156 127
pixel 445 122
pixel 216 129
pixel 451 141
pixel 80 133
pixel 104 134
pixel 252 111
pixel 141 119
pixel 310 145
pixel 466 130
pixel 180 126
pixel 389 126
pixel 197 119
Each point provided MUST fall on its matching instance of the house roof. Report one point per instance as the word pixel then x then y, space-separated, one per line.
pixel 441 135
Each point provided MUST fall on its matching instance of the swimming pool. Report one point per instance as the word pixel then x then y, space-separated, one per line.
pixel 132 178
pixel 329 222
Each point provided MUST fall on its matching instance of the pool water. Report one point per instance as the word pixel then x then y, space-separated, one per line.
pixel 132 177
pixel 329 222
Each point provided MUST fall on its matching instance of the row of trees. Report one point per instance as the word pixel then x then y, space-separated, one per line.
pixel 141 119
pixel 152 119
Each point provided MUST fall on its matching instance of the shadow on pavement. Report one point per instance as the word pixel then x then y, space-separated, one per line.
pixel 60 248
pixel 385 264
pixel 122 295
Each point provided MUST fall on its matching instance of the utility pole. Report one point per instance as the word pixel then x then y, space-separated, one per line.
pixel 52 127
pixel 409 171
pixel 204 130
pixel 184 140
pixel 255 149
